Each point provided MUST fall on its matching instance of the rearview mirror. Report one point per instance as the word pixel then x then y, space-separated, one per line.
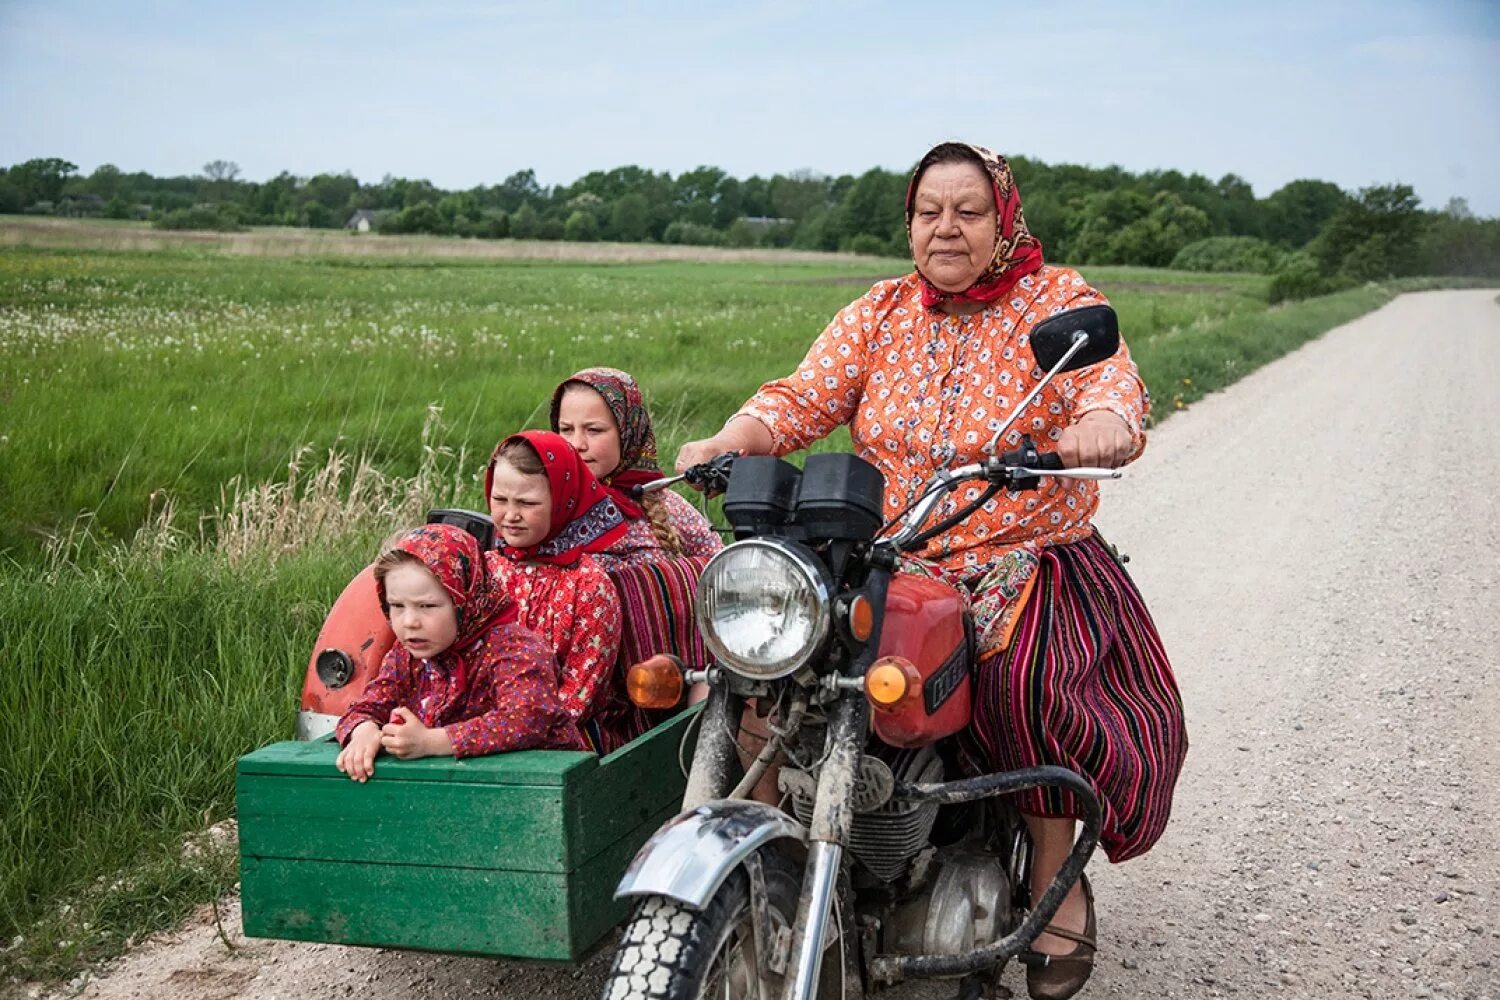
pixel 1052 338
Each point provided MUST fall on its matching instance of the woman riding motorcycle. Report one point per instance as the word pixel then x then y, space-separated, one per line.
pixel 925 369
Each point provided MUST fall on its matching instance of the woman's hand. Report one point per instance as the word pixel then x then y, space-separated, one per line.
pixel 405 737
pixel 697 452
pixel 1099 438
pixel 742 435
pixel 357 759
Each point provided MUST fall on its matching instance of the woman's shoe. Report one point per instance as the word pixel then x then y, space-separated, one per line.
pixel 1064 975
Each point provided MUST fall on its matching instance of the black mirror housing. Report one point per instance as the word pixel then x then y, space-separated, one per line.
pixel 1052 338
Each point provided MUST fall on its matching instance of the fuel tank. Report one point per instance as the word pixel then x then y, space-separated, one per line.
pixel 925 625
pixel 346 656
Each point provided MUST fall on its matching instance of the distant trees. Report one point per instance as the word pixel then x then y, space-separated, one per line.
pixel 1312 235
pixel 41 180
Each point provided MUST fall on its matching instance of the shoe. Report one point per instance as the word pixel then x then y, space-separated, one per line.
pixel 1061 976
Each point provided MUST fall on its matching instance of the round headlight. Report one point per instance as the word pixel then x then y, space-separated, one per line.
pixel 763 607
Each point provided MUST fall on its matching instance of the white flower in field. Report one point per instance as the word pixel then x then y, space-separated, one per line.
pixel 193 408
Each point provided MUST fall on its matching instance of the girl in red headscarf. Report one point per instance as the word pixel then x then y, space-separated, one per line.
pixel 551 517
pixel 604 417
pixel 463 679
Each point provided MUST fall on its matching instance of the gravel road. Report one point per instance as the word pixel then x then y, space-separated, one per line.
pixel 1320 545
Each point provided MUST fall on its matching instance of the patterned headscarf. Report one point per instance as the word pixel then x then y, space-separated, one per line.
pixel 585 517
pixel 480 601
pixel 1017 252
pixel 638 461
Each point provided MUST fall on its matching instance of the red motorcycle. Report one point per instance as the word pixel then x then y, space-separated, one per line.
pixel 884 864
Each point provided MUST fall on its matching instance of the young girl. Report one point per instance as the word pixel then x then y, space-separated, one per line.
pixel 463 679
pixel 601 413
pixel 551 516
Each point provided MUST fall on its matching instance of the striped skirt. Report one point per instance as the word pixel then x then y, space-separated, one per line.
pixel 1085 684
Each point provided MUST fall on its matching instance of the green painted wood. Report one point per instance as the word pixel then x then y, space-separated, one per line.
pixel 521 861
pixel 524 767
pixel 400 822
pixel 461 910
pixel 632 784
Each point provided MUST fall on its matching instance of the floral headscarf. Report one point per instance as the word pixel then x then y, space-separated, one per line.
pixel 1017 252
pixel 480 601
pixel 585 517
pixel 638 460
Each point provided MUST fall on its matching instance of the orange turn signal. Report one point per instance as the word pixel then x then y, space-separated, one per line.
pixel 861 618
pixel 890 680
pixel 655 683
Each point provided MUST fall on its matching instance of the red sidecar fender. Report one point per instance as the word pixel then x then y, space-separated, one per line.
pixel 354 639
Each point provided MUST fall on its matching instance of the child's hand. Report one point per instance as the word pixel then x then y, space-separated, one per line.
pixel 357 759
pixel 405 737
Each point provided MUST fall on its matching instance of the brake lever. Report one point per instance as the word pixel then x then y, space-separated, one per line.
pixel 712 477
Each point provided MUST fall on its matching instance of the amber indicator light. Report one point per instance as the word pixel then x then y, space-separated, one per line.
pixel 655 683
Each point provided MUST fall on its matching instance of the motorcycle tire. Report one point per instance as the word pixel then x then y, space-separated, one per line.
pixel 670 951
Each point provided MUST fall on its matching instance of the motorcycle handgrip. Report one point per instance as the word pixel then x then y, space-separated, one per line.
pixel 1048 461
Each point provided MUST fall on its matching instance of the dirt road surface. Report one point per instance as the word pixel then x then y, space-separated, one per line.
pixel 1321 545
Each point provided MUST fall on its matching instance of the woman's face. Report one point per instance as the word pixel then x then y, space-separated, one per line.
pixel 953 225
pixel 520 506
pixel 586 421
pixel 421 612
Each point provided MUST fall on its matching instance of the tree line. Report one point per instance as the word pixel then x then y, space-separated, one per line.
pixel 1312 235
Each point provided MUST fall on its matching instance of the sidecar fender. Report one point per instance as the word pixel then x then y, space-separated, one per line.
pixel 689 858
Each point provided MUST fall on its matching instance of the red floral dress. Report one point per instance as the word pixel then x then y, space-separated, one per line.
pixel 495 688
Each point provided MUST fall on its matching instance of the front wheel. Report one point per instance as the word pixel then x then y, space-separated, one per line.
pixel 672 952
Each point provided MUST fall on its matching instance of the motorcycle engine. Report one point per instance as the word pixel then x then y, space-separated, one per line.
pixel 887 836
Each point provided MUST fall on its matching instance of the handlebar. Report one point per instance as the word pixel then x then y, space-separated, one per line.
pixel 712 477
pixel 1021 469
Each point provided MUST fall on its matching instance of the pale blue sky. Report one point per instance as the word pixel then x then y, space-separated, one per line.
pixel 463 93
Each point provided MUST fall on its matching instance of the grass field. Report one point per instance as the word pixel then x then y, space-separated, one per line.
pixel 164 574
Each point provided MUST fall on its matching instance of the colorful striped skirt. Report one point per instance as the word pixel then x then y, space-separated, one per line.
pixel 1085 684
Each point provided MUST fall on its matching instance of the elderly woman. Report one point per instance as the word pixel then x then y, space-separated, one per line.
pixel 924 369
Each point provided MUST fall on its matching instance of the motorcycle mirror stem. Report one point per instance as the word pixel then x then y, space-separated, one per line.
pixel 1080 340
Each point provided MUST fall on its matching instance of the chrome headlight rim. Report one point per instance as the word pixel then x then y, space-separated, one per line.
pixel 808 567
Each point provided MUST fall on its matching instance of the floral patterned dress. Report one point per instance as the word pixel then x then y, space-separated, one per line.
pixel 495 688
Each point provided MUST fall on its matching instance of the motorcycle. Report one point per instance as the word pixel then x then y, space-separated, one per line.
pixel 884 863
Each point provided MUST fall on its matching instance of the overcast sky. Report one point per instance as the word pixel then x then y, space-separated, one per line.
pixel 464 93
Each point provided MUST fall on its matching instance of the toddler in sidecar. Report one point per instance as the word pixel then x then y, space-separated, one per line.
pixel 464 678
pixel 551 517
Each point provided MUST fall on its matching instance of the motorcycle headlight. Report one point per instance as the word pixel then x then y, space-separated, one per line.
pixel 763 607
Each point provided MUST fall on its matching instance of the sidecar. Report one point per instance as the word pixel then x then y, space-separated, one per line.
pixel 514 855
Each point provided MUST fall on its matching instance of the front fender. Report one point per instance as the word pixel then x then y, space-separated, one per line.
pixel 689 858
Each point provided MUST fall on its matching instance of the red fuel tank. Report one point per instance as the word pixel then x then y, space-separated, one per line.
pixel 354 639
pixel 924 625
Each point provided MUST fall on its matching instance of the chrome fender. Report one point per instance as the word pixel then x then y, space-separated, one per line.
pixel 689 858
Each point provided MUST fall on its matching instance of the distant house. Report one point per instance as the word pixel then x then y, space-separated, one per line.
pixel 363 220
pixel 80 205
pixel 765 221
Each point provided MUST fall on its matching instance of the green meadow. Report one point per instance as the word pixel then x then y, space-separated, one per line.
pixel 197 450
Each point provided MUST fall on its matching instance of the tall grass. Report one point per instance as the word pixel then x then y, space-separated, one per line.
pixel 123 376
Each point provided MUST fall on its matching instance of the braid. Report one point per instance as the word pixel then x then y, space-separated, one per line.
pixel 660 519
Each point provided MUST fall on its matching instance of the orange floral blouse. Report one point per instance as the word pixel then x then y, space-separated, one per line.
pixel 922 390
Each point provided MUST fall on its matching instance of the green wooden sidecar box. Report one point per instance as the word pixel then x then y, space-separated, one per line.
pixel 515 855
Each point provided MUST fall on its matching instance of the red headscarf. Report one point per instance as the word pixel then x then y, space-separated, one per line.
pixel 481 602
pixel 638 461
pixel 585 517
pixel 1017 252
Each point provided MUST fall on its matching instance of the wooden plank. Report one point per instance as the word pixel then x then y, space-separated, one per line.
pixel 591 890
pixel 415 823
pixel 631 785
pixel 525 767
pixel 460 910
